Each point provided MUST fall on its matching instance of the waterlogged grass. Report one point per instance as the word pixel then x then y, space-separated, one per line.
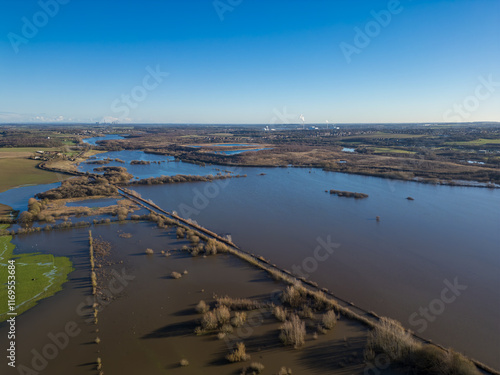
pixel 38 276
pixel 18 172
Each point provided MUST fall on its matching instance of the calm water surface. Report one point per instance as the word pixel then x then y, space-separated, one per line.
pixel 394 267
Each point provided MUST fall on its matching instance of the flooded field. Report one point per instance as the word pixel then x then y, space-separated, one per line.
pixel 445 239
pixel 147 324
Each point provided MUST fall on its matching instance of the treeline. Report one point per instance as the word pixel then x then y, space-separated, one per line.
pixel 104 161
pixel 79 187
pixel 98 161
pixel 348 194
pixel 29 141
pixel 115 175
pixel 180 178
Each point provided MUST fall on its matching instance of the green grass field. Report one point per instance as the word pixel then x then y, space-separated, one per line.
pixel 476 142
pixel 17 172
pixel 383 135
pixel 31 150
pixel 38 276
pixel 379 150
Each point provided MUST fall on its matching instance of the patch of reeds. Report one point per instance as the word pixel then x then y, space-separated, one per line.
pixel 293 332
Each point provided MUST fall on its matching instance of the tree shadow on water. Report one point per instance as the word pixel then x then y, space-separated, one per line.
pixel 173 330
pixel 343 357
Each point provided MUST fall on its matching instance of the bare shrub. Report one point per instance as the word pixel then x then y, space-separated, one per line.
pixel 181 232
pixel 211 247
pixel 226 328
pixel 197 249
pixel 239 354
pixel 306 312
pixel 223 315
pixel 184 362
pixel 292 296
pixel 256 367
pixel 285 371
pixel 279 313
pixel 391 338
pixel 202 307
pixel 209 321
pixel 175 275
pixel 122 213
pixel 239 319
pixel 329 319
pixel 239 303
pixel 458 364
pixel 221 247
pixel 293 332
pixel 149 251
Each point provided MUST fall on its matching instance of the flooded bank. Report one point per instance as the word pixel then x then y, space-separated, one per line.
pixel 395 267
pixel 148 323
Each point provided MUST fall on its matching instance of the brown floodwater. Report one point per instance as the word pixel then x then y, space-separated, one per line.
pixel 147 325
pixel 400 266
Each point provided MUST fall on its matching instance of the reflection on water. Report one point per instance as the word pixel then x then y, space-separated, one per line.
pixel 236 152
pixel 161 165
pixel 17 198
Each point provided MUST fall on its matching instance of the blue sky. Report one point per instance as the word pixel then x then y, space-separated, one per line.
pixel 232 61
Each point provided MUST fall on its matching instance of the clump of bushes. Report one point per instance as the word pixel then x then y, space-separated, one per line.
pixel 196 250
pixel 285 371
pixel 211 247
pixel 239 318
pixel 209 321
pixel 181 232
pixel 306 312
pixel 348 194
pixel 175 275
pixel 292 296
pixel 99 363
pixel 390 338
pixel 253 369
pixel 329 319
pixel 149 251
pixel 215 319
pixel 83 187
pixel 223 314
pixel 239 303
pixel 279 313
pixel 239 354
pixel 184 362
pixel 293 332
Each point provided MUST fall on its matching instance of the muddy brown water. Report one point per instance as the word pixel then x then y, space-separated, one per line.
pixel 148 325
pixel 399 267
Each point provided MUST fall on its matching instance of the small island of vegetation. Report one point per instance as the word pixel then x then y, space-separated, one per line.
pixel 348 194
